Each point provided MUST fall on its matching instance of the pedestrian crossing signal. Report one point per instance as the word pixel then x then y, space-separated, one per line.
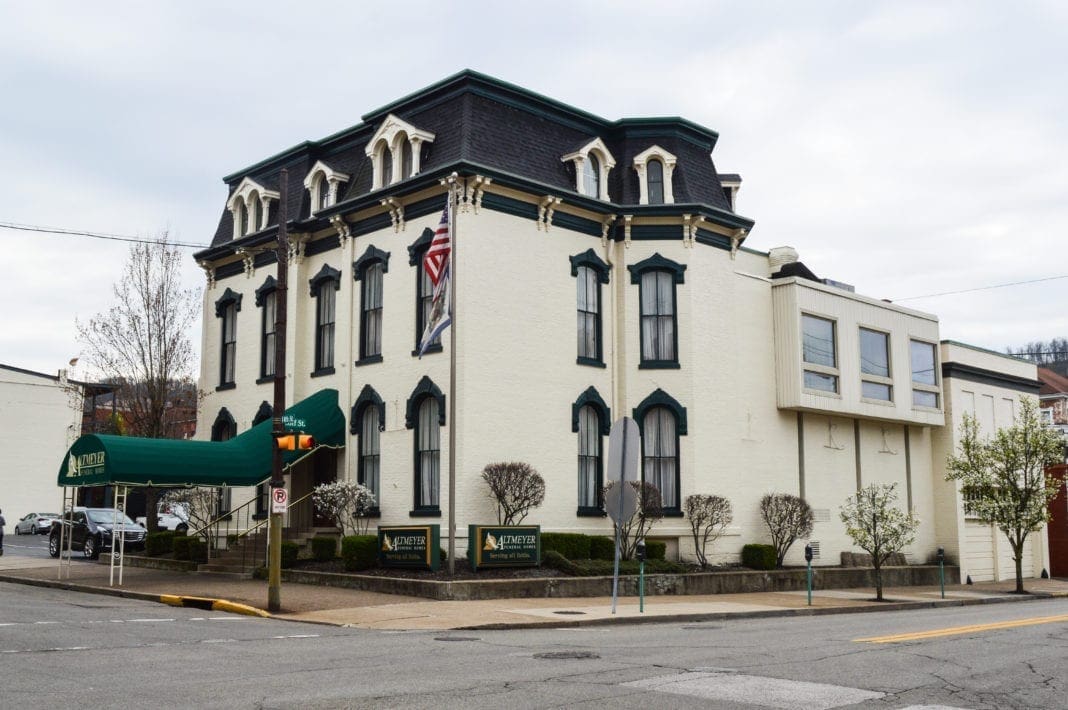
pixel 293 442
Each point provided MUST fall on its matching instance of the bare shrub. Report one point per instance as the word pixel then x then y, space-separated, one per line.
pixel 650 510
pixel 709 516
pixel 516 488
pixel 346 503
pixel 788 518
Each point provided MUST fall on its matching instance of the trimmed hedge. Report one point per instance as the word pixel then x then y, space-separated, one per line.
pixel 198 550
pixel 758 556
pixel 602 548
pixel 324 548
pixel 159 543
pixel 655 550
pixel 180 545
pixel 573 546
pixel 359 552
pixel 290 550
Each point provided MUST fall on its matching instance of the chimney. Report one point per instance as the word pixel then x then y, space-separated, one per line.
pixel 779 257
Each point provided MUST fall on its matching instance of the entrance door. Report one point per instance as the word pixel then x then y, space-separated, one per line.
pixel 1057 530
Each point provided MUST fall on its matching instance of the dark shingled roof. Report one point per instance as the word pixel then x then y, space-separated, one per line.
pixel 481 120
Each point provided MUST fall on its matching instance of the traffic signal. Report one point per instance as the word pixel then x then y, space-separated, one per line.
pixel 292 442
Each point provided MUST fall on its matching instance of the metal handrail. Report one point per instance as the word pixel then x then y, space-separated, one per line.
pixel 265 521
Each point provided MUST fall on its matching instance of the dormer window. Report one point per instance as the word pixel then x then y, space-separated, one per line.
pixel 250 205
pixel 323 184
pixel 655 167
pixel 395 151
pixel 592 163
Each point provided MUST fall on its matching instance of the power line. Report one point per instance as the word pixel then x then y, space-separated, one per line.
pixel 95 235
pixel 981 288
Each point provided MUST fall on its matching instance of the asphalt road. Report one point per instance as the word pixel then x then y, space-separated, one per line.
pixel 59 648
pixel 28 546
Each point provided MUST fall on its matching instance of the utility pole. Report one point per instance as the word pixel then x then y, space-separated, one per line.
pixel 274 545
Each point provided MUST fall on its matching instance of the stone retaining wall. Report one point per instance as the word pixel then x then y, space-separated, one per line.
pixel 731 582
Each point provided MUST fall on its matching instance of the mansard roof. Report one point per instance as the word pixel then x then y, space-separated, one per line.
pixel 483 124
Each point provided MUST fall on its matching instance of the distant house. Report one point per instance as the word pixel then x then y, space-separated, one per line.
pixel 40 416
pixel 603 271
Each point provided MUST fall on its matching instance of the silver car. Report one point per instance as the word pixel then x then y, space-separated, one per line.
pixel 35 524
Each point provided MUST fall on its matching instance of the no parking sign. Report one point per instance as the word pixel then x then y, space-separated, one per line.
pixel 279 500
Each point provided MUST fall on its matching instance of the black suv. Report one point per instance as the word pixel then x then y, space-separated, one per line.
pixel 91 530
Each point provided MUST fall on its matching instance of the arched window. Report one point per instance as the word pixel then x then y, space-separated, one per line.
pixel 224 429
pixel 406 158
pixel 241 215
pixel 324 286
pixel 427 455
pixel 589 459
pixel 226 309
pixel 369 465
pixel 253 213
pixel 655 176
pixel 387 164
pixel 369 270
pixel 591 176
pixel 324 192
pixel 660 463
pixel 425 415
pixel 267 300
pixel 658 278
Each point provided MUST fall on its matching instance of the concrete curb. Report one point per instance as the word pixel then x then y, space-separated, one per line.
pixel 211 604
pixel 171 599
pixel 771 613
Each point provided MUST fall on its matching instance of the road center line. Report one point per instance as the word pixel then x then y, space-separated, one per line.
pixel 957 630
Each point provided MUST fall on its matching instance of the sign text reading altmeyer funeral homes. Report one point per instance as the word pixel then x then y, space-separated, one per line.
pixel 85 464
pixel 497 546
pixel 411 546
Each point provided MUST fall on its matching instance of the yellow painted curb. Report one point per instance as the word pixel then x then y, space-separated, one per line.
pixel 235 608
pixel 171 599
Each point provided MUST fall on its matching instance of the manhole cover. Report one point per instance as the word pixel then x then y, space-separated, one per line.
pixel 457 638
pixel 568 611
pixel 566 655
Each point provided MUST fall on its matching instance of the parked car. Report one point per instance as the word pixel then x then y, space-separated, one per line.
pixel 93 530
pixel 169 516
pixel 35 523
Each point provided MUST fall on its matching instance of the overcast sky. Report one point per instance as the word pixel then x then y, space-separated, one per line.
pixel 907 148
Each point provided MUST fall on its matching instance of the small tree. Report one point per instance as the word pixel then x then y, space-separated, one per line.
pixel 346 503
pixel 201 504
pixel 1004 479
pixel 877 526
pixel 788 518
pixel 516 488
pixel 709 516
pixel 650 510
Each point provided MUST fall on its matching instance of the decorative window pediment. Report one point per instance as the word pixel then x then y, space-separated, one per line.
pixel 593 162
pixel 322 183
pixel 654 181
pixel 395 151
pixel 250 205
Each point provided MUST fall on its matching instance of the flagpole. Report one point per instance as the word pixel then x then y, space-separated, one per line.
pixel 452 374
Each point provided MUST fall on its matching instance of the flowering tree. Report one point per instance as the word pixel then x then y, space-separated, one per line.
pixel 201 505
pixel 709 516
pixel 346 503
pixel 877 526
pixel 1004 479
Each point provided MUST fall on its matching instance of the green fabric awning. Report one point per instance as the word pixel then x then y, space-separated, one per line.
pixel 245 460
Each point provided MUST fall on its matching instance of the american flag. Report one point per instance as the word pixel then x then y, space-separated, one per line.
pixel 437 262
pixel 437 256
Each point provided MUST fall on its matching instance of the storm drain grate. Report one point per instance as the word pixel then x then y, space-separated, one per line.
pixel 457 638
pixel 701 628
pixel 566 655
pixel 568 611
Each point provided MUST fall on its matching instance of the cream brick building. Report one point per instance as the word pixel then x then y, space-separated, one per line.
pixel 602 271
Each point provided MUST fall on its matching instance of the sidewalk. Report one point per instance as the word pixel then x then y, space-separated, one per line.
pixel 371 610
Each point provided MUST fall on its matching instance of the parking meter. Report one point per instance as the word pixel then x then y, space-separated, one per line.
pixel 639 550
pixel 808 571
pixel 941 555
pixel 942 570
